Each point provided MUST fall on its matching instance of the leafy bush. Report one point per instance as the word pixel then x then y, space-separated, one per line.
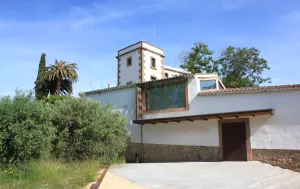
pixel 26 130
pixel 85 129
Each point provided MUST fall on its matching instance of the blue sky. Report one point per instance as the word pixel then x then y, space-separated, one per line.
pixel 89 33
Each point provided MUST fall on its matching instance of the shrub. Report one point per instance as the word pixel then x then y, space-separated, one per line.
pixel 86 129
pixel 26 128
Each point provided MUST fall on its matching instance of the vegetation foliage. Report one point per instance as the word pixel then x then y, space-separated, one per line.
pixel 49 174
pixel 61 74
pixel 56 79
pixel 56 141
pixel 199 59
pixel 26 129
pixel 237 67
pixel 85 129
pixel 41 89
pixel 64 127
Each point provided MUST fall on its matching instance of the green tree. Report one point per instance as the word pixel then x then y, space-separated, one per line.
pixel 91 131
pixel 65 88
pixel 61 74
pixel 26 128
pixel 41 90
pixel 242 67
pixel 237 67
pixel 198 60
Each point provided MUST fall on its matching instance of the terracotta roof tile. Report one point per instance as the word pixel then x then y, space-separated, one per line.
pixel 108 89
pixel 132 85
pixel 245 90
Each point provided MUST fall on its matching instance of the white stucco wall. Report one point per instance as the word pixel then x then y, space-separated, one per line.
pixel 125 101
pixel 280 131
pixel 173 71
pixel 148 72
pixel 197 133
pixel 130 48
pixel 130 73
pixel 152 48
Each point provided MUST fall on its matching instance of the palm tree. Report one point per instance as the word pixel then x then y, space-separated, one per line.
pixel 61 74
pixel 66 87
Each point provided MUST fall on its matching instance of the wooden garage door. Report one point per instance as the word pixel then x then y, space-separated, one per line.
pixel 234 141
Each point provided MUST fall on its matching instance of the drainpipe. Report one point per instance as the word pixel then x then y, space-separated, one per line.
pixel 142 147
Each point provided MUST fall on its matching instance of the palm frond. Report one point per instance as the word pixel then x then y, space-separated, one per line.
pixel 66 87
pixel 62 72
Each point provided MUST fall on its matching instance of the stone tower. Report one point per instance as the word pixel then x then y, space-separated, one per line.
pixel 140 62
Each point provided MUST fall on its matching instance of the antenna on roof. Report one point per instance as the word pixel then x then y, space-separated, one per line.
pixel 153 33
pixel 91 84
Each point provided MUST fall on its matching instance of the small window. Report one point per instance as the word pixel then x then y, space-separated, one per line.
pixel 153 63
pixel 166 75
pixel 153 78
pixel 129 61
pixel 208 84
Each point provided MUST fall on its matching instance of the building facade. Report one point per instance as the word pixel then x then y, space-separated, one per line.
pixel 195 118
pixel 142 62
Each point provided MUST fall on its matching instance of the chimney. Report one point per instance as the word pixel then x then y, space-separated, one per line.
pixel 108 85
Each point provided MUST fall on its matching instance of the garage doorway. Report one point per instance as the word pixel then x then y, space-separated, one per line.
pixel 234 140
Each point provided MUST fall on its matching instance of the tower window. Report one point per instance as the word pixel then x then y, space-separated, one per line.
pixel 153 78
pixel 129 61
pixel 153 63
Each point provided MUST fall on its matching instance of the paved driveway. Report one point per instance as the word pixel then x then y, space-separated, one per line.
pixel 231 175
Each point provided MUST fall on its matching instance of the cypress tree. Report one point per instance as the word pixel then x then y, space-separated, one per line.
pixel 41 90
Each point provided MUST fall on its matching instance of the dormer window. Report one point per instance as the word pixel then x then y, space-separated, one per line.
pixel 208 84
pixel 129 61
pixel 153 63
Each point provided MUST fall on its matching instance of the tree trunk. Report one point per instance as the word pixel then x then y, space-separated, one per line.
pixel 58 87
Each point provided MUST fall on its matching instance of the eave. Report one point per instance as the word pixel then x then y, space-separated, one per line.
pixel 224 115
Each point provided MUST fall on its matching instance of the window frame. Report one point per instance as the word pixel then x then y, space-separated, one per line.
pixel 129 58
pixel 152 58
pixel 144 100
pixel 208 79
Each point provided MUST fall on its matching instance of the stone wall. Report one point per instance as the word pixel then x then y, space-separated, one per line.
pixel 132 151
pixel 171 153
pixel 287 159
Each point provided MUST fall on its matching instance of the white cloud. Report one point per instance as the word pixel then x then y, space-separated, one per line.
pixel 99 13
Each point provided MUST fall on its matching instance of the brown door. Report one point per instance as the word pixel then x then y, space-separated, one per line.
pixel 234 141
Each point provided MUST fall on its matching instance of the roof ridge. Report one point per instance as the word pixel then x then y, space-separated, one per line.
pixel 256 89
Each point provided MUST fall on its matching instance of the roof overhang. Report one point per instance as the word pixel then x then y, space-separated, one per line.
pixel 224 115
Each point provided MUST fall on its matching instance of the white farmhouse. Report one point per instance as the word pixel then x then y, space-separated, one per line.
pixel 175 116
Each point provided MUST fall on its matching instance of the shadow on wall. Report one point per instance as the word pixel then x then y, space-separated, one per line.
pixel 134 129
pixel 129 113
